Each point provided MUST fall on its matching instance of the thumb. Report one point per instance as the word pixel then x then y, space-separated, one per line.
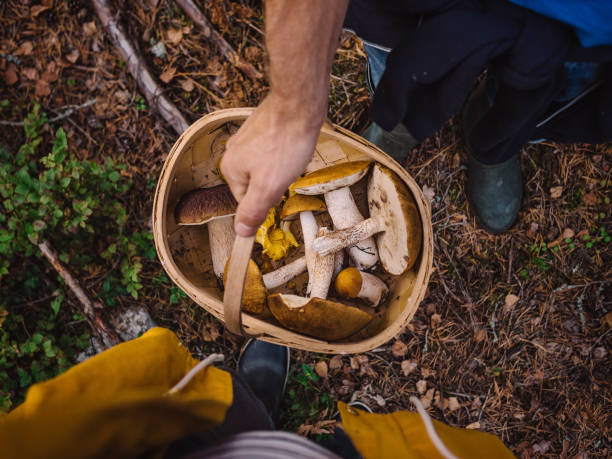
pixel 252 210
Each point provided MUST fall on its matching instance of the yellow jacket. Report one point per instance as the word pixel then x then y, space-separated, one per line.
pixel 116 405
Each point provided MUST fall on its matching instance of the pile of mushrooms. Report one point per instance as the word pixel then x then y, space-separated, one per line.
pixel 391 234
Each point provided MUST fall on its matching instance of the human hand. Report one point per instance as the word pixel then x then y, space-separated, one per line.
pixel 269 151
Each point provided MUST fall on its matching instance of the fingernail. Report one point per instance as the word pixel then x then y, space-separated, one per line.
pixel 245 230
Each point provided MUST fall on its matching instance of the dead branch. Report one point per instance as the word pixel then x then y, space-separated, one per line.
pixel 88 307
pixel 138 68
pixel 226 49
pixel 61 116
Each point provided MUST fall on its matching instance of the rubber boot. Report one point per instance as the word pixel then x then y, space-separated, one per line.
pixel 396 143
pixel 265 368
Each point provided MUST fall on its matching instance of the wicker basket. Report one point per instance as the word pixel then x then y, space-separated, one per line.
pixel 184 252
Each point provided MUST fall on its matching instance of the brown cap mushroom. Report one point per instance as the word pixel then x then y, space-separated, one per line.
pixel 254 293
pixel 317 317
pixel 394 219
pixel 304 207
pixel 333 182
pixel 352 283
pixel 214 206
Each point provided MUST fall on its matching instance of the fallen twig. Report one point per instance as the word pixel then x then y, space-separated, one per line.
pixel 100 327
pixel 138 68
pixel 226 49
pixel 61 116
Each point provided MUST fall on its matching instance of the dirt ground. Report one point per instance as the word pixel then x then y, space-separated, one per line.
pixel 514 335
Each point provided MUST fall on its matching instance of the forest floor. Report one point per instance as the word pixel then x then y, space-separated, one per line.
pixel 514 335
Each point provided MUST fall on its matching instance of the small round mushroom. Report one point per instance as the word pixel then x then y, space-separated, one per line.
pixel 394 219
pixel 352 283
pixel 333 182
pixel 215 206
pixel 304 207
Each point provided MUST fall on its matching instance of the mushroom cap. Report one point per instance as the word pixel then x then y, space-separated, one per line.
pixel 331 178
pixel 254 293
pixel 322 319
pixel 204 204
pixel 348 282
pixel 301 203
pixel 391 203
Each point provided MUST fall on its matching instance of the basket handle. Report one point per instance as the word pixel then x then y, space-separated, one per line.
pixel 236 274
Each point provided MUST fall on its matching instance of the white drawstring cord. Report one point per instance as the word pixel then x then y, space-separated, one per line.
pixel 431 430
pixel 212 358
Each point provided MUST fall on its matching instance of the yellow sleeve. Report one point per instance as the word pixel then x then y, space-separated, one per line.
pixel 114 404
pixel 402 434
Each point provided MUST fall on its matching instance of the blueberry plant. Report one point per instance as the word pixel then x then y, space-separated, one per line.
pixel 48 193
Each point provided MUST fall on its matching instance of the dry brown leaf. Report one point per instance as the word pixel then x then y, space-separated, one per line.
pixel 73 56
pixel 421 386
pixel 30 73
pixel 567 233
pixel 37 9
pixel 89 28
pixel 426 372
pixel 509 303
pixel 556 192
pixel 335 363
pixel 473 425
pixel 42 88
pixel 167 76
pixel 435 320
pixel 399 348
pixel 590 199
pixel 408 366
pixel 427 398
pixel 599 352
pixel 10 75
pixel 453 404
pixel 354 363
pixel 321 369
pixel 51 74
pixel 187 85
pixel 480 335
pixel 25 49
pixel 532 231
pixel 607 319
pixel 174 36
pixel 429 193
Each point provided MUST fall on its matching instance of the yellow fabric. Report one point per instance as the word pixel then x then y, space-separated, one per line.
pixel 402 434
pixel 114 404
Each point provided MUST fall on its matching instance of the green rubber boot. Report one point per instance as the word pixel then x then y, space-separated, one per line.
pixel 396 143
pixel 495 193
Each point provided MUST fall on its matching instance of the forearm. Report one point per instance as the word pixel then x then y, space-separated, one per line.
pixel 301 39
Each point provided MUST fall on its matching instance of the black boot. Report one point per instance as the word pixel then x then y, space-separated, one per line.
pixel 265 367
pixel 494 190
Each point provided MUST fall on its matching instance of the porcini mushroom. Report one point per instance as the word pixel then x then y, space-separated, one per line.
pixel 214 206
pixel 333 182
pixel 324 319
pixel 254 291
pixel 304 207
pixel 285 273
pixel 352 283
pixel 394 219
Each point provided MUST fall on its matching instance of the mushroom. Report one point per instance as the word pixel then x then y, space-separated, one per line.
pixel 333 182
pixel 215 206
pixel 394 219
pixel 352 283
pixel 317 317
pixel 285 273
pixel 304 206
pixel 254 291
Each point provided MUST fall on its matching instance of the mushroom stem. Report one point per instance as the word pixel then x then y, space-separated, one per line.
pixel 348 237
pixel 372 289
pixel 322 272
pixel 344 213
pixel 221 237
pixel 285 273
pixel 309 232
